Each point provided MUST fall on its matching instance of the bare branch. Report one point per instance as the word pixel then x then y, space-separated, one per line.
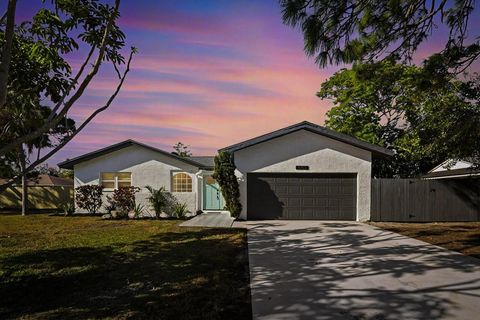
pixel 7 51
pixel 72 85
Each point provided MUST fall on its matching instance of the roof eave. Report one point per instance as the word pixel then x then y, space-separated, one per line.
pixel 376 150
pixel 69 164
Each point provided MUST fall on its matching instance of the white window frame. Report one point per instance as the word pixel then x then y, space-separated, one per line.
pixel 172 175
pixel 115 179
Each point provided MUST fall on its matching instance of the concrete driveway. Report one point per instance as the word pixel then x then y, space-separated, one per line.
pixel 349 270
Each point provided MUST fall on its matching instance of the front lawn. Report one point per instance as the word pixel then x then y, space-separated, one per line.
pixel 85 267
pixel 463 237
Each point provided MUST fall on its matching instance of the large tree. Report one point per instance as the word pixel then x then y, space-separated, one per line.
pixel 344 31
pixel 424 115
pixel 34 67
pixel 23 119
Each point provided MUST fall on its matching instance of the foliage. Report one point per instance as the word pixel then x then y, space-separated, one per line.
pixel 89 197
pixel 124 198
pixel 111 204
pixel 139 209
pixel 68 208
pixel 423 115
pixel 182 150
pixel 23 119
pixel 179 210
pixel 66 173
pixel 41 87
pixel 160 199
pixel 224 173
pixel 344 31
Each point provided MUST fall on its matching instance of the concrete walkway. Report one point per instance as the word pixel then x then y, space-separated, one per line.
pixel 211 220
pixel 347 270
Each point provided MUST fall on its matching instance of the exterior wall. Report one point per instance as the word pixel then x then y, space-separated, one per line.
pixel 305 148
pixel 147 167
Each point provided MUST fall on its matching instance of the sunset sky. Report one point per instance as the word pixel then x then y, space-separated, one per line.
pixel 208 74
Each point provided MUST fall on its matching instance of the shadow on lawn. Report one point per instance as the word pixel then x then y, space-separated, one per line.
pixel 197 274
pixel 340 272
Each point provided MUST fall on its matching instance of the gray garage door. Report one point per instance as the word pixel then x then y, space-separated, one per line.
pixel 313 196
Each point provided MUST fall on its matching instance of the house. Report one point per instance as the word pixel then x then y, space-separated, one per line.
pixel 303 171
pixel 453 169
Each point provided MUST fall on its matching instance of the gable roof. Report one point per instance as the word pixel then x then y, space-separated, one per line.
pixel 448 169
pixel 452 173
pixel 315 128
pixel 69 163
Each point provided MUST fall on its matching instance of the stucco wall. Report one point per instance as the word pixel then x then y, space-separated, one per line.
pixel 147 167
pixel 305 148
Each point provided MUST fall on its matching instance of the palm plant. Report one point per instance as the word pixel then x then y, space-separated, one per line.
pixel 138 210
pixel 180 210
pixel 158 199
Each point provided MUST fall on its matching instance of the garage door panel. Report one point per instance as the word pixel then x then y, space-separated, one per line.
pixel 301 196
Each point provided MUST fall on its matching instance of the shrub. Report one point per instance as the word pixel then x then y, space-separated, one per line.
pixel 160 199
pixel 138 210
pixel 89 197
pixel 68 208
pixel 124 198
pixel 179 210
pixel 225 175
pixel 111 204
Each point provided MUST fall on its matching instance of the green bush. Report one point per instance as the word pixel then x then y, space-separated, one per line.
pixel 160 199
pixel 225 175
pixel 124 198
pixel 89 197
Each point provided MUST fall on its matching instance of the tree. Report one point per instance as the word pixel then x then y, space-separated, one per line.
pixel 182 150
pixel 224 173
pixel 23 121
pixel 345 31
pixel 423 117
pixel 33 66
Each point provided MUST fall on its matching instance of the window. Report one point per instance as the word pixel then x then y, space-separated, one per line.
pixel 115 180
pixel 181 182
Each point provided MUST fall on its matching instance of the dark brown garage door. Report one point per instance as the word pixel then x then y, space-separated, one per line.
pixel 314 196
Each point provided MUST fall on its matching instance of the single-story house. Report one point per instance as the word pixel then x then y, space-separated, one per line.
pixel 454 169
pixel 303 171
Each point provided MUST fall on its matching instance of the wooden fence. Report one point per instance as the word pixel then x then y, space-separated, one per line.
pixel 39 197
pixel 417 200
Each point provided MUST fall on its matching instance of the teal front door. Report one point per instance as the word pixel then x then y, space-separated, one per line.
pixel 212 195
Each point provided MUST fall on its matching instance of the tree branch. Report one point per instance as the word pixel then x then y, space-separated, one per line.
pixel 86 81
pixel 72 85
pixel 80 128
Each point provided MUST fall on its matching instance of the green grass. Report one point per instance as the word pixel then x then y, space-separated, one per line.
pixel 84 267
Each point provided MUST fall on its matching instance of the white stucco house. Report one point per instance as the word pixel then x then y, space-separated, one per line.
pixel 303 171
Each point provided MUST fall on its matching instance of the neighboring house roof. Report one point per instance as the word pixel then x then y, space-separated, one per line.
pixel 207 161
pixel 45 180
pixel 305 125
pixel 69 163
pixel 453 169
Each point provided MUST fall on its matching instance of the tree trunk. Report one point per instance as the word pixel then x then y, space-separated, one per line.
pixel 24 182
pixel 7 50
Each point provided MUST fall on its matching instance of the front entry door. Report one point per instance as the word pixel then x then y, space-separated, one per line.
pixel 212 195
